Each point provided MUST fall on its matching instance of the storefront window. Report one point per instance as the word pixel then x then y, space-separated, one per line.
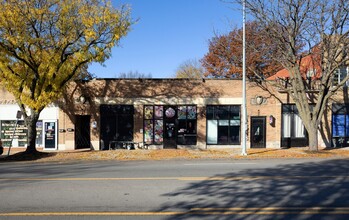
pixel 340 125
pixel 155 119
pixel 223 124
pixel 116 124
pixel 159 131
pixel 293 131
pixel 292 124
pixel 153 124
pixel 148 131
pixel 187 125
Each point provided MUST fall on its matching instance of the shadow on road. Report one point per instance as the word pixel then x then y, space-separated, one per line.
pixel 314 184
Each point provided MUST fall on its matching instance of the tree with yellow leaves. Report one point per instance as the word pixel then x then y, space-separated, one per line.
pixel 44 44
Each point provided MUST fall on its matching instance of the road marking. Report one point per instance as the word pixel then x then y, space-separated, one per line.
pixel 205 164
pixel 222 178
pixel 203 211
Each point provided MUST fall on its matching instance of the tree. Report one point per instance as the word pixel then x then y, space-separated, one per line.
pixel 301 29
pixel 134 75
pixel 44 44
pixel 224 58
pixel 191 69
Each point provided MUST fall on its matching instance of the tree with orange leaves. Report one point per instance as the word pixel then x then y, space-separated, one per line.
pixel 224 59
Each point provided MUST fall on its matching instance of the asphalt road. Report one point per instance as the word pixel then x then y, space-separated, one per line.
pixel 183 189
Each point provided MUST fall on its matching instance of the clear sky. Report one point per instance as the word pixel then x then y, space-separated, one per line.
pixel 168 33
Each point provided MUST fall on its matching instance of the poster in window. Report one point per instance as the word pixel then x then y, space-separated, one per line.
pixel 159 134
pixel 191 112
pixel 347 126
pixel 148 131
pixel 338 125
pixel 159 112
pixel 170 112
pixel 148 112
pixel 182 112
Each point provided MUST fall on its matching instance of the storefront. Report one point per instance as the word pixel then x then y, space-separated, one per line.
pixel 14 132
pixel 163 114
pixel 170 125
pixel 116 124
pixel 170 113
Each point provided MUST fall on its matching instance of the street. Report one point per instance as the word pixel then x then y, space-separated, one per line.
pixel 176 189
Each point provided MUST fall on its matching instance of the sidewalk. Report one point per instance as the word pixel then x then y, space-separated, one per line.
pixel 168 154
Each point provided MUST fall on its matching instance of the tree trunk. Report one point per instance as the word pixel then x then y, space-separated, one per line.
pixel 313 139
pixel 31 125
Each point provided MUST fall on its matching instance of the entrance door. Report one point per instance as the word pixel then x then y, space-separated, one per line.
pixel 258 132
pixel 170 128
pixel 82 131
pixel 50 141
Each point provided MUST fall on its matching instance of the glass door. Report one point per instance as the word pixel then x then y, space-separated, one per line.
pixel 258 132
pixel 170 128
pixel 50 138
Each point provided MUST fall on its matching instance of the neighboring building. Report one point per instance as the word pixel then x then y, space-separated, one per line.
pixel 334 131
pixel 162 113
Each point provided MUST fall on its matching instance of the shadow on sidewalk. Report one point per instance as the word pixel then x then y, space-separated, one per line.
pixel 23 156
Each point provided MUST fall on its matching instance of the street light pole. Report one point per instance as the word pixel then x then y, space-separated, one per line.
pixel 244 111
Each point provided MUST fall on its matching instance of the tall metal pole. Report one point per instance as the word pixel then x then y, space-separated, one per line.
pixel 244 111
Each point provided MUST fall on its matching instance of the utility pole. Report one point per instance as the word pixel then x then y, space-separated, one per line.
pixel 244 111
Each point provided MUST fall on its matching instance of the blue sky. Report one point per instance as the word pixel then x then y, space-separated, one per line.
pixel 168 33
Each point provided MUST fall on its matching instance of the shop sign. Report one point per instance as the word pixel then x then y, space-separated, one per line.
pixel 8 132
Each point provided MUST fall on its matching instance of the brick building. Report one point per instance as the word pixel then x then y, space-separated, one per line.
pixel 162 113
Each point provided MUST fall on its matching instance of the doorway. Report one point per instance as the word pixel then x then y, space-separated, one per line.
pixel 170 128
pixel 50 140
pixel 82 131
pixel 258 132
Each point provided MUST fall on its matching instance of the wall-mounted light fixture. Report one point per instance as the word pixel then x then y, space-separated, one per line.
pixel 271 120
pixel 259 100
pixel 82 99
pixel 94 124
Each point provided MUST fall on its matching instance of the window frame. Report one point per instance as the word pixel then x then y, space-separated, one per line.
pixel 154 119
pixel 227 120
pixel 292 140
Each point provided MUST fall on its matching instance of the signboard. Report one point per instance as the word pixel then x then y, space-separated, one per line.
pixel 20 134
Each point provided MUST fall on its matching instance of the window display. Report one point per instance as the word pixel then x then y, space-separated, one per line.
pixel 183 128
pixel 182 112
pixel 159 111
pixel 148 112
pixel 153 124
pixel 158 130
pixel 293 131
pixel 187 125
pixel 148 131
pixel 223 124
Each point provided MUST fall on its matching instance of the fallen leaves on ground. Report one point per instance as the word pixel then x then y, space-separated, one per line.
pixel 168 154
